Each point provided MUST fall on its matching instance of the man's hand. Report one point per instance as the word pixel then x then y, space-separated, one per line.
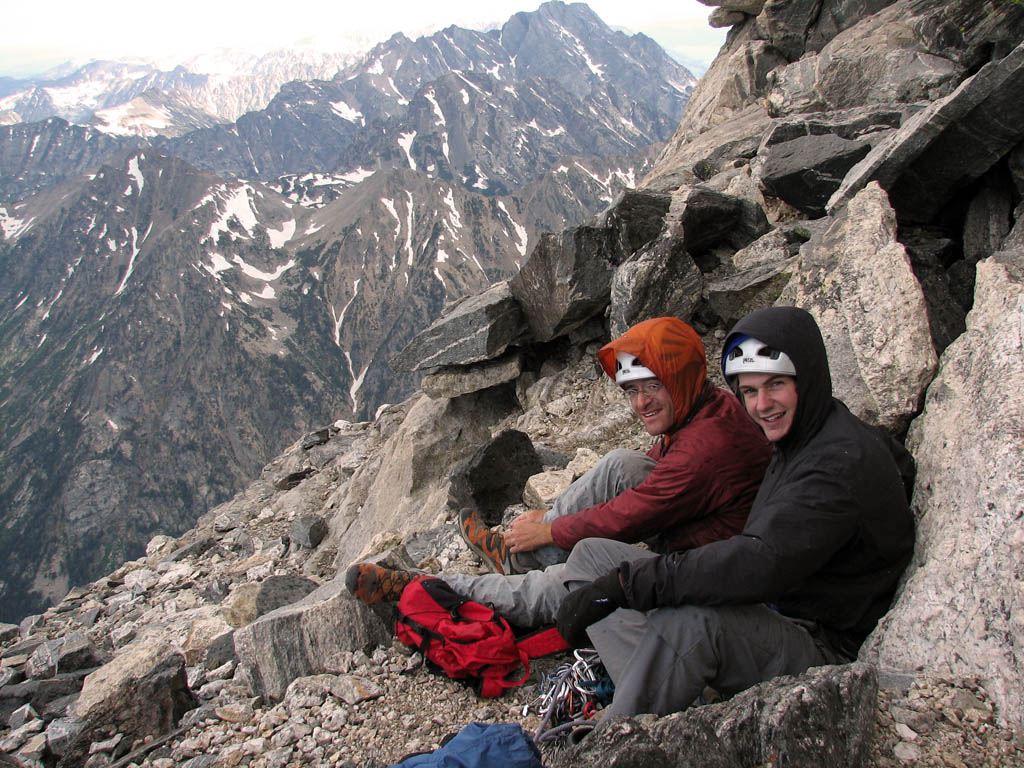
pixel 529 532
pixel 587 605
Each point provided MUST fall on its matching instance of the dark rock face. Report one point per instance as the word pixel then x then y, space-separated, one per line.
pixel 567 280
pixel 494 477
pixel 38 155
pixel 807 170
pixel 824 717
pixel 702 217
pixel 306 638
pixel 144 693
pixel 639 290
pixel 308 531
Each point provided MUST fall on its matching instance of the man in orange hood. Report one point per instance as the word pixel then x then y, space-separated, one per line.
pixel 694 486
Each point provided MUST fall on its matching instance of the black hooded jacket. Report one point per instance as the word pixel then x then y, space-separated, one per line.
pixel 830 530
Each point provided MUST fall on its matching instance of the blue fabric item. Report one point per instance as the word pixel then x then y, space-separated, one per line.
pixel 478 745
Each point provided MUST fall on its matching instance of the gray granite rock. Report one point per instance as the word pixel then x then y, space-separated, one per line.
pixel 63 654
pixel 307 531
pixel 141 692
pixel 856 279
pixel 566 280
pixel 307 638
pixel 639 290
pixel 732 297
pixel 494 476
pixel 250 601
pixel 968 499
pixel 458 380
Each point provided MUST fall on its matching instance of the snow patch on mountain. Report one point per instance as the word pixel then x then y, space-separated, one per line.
pixel 278 237
pixel 135 173
pixel 134 118
pixel 345 112
pixel 11 226
pixel 405 141
pixel 258 274
pixel 231 204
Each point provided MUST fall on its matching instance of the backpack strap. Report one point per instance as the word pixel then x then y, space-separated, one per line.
pixel 543 642
pixel 493 680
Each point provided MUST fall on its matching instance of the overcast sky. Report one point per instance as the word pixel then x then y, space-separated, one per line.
pixel 37 35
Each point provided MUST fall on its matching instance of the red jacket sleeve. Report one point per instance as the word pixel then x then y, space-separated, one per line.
pixel 700 489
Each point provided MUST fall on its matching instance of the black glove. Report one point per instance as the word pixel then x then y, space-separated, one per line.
pixel 586 605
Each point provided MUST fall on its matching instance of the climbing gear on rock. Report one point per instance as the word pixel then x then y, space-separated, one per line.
pixel 571 697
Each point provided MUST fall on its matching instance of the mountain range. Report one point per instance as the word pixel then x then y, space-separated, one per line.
pixel 180 302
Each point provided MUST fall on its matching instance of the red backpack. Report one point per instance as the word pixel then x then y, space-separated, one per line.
pixel 468 639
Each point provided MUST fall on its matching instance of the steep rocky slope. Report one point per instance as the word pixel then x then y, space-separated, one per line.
pixel 897 220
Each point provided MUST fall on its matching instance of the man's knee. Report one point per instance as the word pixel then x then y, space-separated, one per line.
pixel 593 558
pixel 625 462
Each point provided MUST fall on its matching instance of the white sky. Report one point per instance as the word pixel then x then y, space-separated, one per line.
pixel 35 36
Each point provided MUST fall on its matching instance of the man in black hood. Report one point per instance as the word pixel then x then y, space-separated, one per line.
pixel 805 581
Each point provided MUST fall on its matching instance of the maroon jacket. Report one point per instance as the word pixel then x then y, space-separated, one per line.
pixel 700 491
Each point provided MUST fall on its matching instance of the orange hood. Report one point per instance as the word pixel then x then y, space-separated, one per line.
pixel 671 349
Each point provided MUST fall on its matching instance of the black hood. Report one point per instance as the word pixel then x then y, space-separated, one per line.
pixel 795 332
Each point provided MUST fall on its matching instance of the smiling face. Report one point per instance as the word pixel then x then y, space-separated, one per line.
pixel 651 401
pixel 770 399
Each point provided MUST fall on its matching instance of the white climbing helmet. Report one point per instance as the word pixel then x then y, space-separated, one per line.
pixel 629 368
pixel 750 355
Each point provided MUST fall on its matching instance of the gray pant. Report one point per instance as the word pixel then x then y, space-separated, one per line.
pixel 660 660
pixel 616 471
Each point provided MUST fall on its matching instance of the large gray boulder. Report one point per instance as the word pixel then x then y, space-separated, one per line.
pixel 493 478
pixel 736 80
pixel 960 611
pixel 786 23
pixel 757 287
pixel 566 280
pixel 478 327
pixel 701 217
pixel 142 692
pixel 403 486
pixel 952 142
pixel 880 59
pixel 823 718
pixel 250 601
pixel 458 380
pixel 856 279
pixel 310 637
